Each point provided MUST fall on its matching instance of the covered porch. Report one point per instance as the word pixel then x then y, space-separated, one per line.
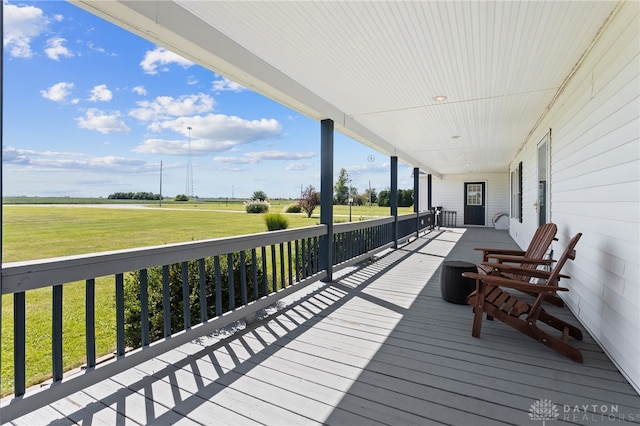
pixel 376 345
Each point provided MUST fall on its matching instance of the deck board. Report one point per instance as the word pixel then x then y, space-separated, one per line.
pixel 376 346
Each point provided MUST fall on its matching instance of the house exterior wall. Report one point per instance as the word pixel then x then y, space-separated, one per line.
pixel 448 192
pixel 595 188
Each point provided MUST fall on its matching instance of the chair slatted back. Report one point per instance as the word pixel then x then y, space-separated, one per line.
pixel 538 247
pixel 541 241
pixel 569 253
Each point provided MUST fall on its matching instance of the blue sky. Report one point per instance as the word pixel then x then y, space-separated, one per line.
pixel 90 109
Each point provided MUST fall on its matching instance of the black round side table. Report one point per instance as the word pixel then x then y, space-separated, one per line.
pixel 454 287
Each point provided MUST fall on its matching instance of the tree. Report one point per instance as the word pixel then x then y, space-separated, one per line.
pixel 310 200
pixel 405 198
pixel 370 195
pixel 259 196
pixel 358 199
pixel 384 198
pixel 181 197
pixel 341 187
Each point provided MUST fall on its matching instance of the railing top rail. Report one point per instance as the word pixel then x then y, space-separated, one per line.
pixel 29 275
pixel 406 216
pixel 340 228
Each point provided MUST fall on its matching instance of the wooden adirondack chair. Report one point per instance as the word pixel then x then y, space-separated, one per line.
pixel 491 298
pixel 529 259
pixel 538 246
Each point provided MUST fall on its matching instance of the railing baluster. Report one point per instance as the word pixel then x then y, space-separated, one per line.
pixel 90 321
pixel 202 275
pixel 120 348
pixel 254 269
pixel 297 261
pixel 230 282
pixel 56 333
pixel 144 307
pixel 186 305
pixel 243 277
pixel 166 301
pixel 274 269
pixel 310 259
pixel 290 262
pixel 303 257
pixel 307 254
pixel 265 275
pixel 216 267
pixel 19 338
pixel 282 274
pixel 315 264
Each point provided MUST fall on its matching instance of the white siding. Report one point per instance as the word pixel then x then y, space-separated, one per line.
pixel 595 188
pixel 448 192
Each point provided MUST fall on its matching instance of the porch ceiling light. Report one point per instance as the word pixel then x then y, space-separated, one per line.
pixel 440 98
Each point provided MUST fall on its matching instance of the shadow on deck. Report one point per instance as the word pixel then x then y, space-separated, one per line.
pixel 378 345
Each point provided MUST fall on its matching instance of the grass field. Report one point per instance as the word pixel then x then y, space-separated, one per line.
pixel 42 231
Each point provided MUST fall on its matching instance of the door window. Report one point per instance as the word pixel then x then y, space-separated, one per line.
pixel 474 194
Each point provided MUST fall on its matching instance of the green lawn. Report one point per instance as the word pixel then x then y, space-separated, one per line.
pixel 36 232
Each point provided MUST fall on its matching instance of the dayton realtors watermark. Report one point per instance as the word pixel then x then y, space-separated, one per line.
pixel 545 410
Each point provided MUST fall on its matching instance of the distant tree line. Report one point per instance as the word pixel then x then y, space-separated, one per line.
pixel 405 198
pixel 133 196
pixel 343 191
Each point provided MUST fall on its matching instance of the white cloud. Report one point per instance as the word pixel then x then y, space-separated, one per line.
pixel 100 94
pixel 21 25
pixel 226 85
pixel 210 133
pixel 192 80
pixel 256 157
pixel 102 122
pixel 298 166
pixel 11 155
pixel 233 160
pixel 164 107
pixel 161 57
pixel 55 49
pixel 59 92
pixel 70 161
pixel 99 49
pixel 139 90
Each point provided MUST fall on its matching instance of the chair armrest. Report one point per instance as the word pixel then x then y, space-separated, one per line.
pixel 514 284
pixel 510 269
pixel 501 251
pixel 517 259
pixel 487 251
pixel 516 270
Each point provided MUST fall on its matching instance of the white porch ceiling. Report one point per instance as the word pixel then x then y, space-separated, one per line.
pixel 374 67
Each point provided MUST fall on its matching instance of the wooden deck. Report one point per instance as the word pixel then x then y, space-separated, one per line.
pixel 376 346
